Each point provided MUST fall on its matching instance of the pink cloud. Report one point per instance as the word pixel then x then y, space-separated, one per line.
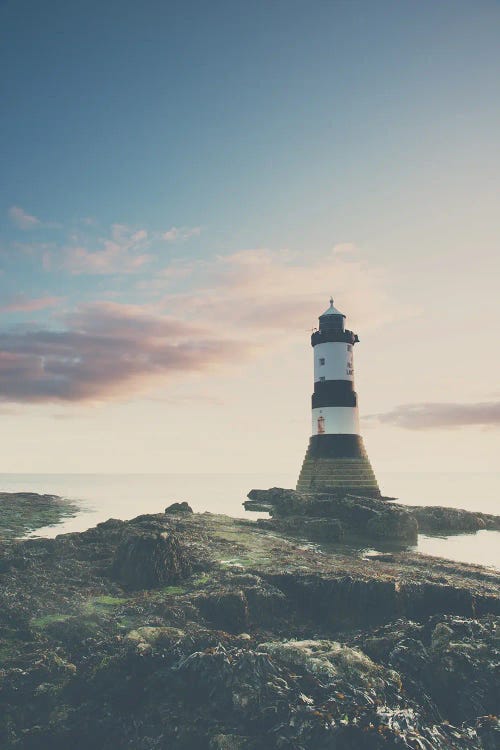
pixel 22 304
pixel 123 252
pixel 261 289
pixel 105 351
pixel 428 416
pixel 178 234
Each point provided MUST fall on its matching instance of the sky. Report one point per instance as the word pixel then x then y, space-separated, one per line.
pixel 183 187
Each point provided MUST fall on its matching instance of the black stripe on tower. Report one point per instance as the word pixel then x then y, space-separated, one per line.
pixel 324 336
pixel 334 393
pixel 336 446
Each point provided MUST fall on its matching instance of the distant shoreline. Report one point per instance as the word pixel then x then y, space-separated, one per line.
pixel 22 513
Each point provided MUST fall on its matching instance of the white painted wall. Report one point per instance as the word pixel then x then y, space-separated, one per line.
pixel 338 361
pixel 337 420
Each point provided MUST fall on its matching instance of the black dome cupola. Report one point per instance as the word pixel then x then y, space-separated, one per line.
pixel 332 319
pixel 331 328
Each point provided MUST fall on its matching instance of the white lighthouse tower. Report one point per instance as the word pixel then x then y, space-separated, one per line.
pixel 336 458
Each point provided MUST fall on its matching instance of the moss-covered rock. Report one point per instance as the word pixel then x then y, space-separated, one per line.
pixel 24 512
pixel 145 560
pixel 248 638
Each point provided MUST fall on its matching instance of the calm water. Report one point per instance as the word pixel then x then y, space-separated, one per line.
pixel 103 496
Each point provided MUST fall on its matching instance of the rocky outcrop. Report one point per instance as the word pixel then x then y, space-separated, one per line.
pixel 450 660
pixel 23 512
pixel 144 561
pixel 434 519
pixel 203 632
pixel 311 514
pixel 317 529
pixel 332 516
pixel 183 507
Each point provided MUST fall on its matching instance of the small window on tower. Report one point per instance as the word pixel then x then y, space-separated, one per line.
pixel 322 361
pixel 322 380
pixel 349 347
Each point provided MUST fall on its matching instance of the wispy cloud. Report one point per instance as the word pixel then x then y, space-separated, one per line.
pixel 432 416
pixel 22 219
pixel 122 252
pixel 178 234
pixel 200 313
pixel 104 351
pixel 84 249
pixel 262 289
pixel 23 304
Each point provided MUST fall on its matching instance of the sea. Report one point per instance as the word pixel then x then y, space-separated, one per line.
pixel 124 496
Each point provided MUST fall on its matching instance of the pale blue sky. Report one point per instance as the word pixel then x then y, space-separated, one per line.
pixel 165 165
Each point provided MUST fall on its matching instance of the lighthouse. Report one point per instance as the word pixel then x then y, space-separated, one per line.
pixel 336 458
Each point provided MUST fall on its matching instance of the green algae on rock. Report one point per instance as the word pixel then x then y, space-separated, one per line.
pixel 336 514
pixel 24 512
pixel 263 643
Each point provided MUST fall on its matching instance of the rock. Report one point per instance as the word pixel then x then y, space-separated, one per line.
pixel 488 730
pixel 156 636
pixel 329 516
pixel 450 664
pixel 269 644
pixel 145 561
pixel 24 512
pixel 179 508
pixel 338 665
pixel 228 742
pixel 278 501
pixel 226 611
pixel 463 674
pixel 370 517
pixel 266 604
pixel 392 525
pixel 318 529
pixel 112 524
pixel 441 520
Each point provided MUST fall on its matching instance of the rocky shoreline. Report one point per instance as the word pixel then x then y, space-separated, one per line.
pixel 196 631
pixel 334 516
pixel 21 513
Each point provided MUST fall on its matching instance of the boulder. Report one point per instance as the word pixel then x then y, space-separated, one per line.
pixel 145 560
pixel 392 524
pixel 278 501
pixel 183 507
pixel 434 519
pixel 329 516
pixel 226 611
pixel 319 529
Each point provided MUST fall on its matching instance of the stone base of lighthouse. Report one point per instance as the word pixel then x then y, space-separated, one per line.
pixel 337 463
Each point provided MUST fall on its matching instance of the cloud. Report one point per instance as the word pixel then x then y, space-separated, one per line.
pixel 21 304
pixel 221 310
pixel 279 290
pixel 123 252
pixel 179 234
pixel 432 416
pixel 22 219
pixel 106 350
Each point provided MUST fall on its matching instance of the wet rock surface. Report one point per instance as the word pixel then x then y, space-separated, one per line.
pixel 195 631
pixel 24 512
pixel 366 517
pixel 182 507
pixel 147 560
pixel 434 519
pixel 334 513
